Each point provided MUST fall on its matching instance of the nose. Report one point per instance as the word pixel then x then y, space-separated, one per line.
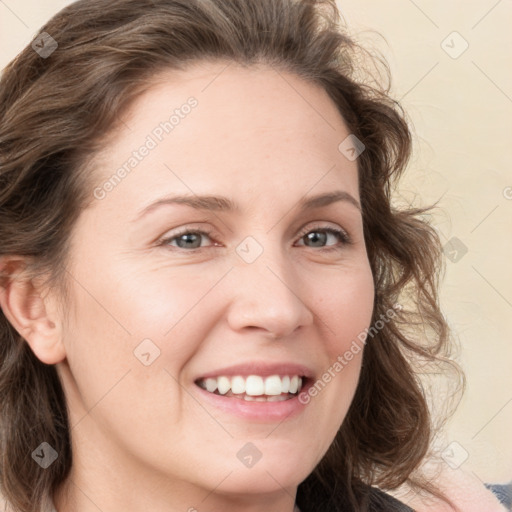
pixel 267 296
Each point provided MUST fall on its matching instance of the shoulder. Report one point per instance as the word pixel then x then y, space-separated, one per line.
pixel 465 490
pixel 503 493
pixel 382 502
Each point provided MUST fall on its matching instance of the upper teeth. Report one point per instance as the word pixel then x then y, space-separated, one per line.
pixel 253 385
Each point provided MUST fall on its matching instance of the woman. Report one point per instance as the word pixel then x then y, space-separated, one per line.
pixel 206 293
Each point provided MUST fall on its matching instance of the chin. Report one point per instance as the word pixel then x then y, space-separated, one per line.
pixel 257 483
pixel 267 477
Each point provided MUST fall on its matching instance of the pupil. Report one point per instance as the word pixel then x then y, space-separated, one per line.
pixel 189 239
pixel 314 236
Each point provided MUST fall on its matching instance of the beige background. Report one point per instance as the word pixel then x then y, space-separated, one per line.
pixel 460 105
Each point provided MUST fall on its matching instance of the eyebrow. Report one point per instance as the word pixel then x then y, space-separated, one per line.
pixel 224 204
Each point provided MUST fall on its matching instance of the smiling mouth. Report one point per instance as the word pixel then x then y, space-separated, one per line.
pixel 254 388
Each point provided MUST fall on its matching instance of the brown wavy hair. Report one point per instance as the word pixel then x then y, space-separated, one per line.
pixel 55 113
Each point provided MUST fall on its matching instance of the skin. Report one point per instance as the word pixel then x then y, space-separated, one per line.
pixel 142 437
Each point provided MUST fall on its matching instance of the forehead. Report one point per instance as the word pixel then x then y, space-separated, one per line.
pixel 255 128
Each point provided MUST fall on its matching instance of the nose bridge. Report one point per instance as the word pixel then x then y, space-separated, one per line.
pixel 268 294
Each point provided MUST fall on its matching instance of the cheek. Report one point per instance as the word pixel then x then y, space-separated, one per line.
pixel 129 304
pixel 346 308
pixel 345 311
pixel 165 290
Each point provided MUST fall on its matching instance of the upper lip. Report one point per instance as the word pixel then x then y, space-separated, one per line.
pixel 264 369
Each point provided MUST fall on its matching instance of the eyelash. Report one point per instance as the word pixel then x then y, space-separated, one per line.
pixel 342 235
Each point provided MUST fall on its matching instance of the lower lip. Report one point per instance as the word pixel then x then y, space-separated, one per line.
pixel 255 411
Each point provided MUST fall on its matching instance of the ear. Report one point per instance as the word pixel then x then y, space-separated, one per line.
pixel 31 310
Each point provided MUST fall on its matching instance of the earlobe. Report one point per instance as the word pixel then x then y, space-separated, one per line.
pixel 30 312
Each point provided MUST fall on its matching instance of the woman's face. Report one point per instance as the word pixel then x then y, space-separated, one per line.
pixel 165 295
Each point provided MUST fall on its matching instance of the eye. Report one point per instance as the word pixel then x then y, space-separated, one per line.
pixel 318 235
pixel 187 239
